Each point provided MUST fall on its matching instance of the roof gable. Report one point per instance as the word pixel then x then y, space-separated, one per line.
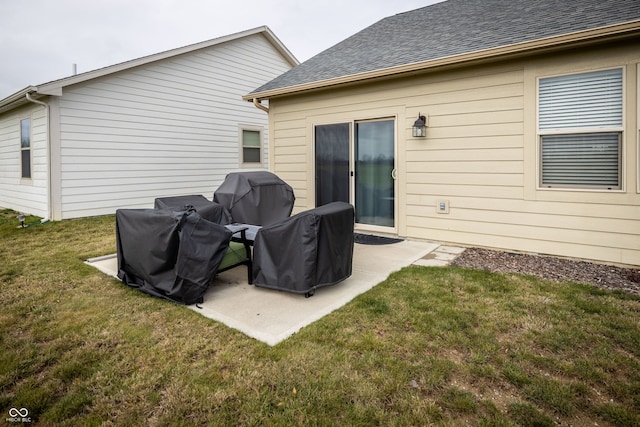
pixel 451 28
pixel 55 87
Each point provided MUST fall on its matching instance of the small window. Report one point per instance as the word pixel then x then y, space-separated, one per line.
pixel 251 146
pixel 580 130
pixel 25 147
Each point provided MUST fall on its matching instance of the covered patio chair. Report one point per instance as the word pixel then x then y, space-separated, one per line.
pixel 257 198
pixel 172 255
pixel 239 252
pixel 306 251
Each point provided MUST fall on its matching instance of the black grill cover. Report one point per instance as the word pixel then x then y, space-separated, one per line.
pixel 208 210
pixel 259 198
pixel 306 251
pixel 172 255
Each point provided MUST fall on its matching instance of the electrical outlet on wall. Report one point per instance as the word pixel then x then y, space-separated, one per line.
pixel 442 206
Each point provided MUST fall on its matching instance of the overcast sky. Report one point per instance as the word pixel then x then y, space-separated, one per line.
pixel 40 40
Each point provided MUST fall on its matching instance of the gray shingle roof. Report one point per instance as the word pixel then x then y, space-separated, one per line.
pixel 454 27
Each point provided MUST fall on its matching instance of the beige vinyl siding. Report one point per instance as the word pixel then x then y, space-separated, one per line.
pixel 291 158
pixel 20 194
pixel 479 155
pixel 473 152
pixel 163 129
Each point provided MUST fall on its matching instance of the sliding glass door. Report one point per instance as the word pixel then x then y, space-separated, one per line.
pixel 354 162
pixel 374 173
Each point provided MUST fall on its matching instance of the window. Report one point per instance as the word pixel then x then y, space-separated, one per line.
pixel 580 130
pixel 25 147
pixel 251 146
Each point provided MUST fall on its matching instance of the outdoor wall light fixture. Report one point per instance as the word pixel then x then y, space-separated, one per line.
pixel 420 127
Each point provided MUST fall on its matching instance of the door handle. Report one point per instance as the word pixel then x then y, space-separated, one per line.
pixel 394 175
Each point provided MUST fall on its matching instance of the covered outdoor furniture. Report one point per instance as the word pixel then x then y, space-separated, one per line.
pixel 207 209
pixel 258 198
pixel 239 252
pixel 306 251
pixel 172 255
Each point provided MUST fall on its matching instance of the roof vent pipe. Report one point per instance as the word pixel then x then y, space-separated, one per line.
pixel 74 69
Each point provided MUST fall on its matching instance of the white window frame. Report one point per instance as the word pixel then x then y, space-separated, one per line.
pixel 581 130
pixel 29 149
pixel 241 130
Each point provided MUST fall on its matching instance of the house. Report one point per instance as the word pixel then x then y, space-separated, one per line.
pixel 167 124
pixel 531 140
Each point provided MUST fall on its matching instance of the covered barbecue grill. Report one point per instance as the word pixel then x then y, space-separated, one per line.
pixel 258 198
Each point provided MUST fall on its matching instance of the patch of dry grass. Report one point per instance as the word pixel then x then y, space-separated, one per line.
pixel 428 346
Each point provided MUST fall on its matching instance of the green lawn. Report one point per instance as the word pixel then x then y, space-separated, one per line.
pixel 429 346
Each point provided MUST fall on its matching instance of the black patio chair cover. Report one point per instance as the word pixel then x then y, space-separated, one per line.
pixel 258 198
pixel 172 255
pixel 306 251
pixel 207 209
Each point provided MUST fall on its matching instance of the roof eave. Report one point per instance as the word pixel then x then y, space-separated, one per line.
pixel 16 100
pixel 280 47
pixel 615 31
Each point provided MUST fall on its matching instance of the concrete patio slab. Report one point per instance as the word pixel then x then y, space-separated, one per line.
pixel 272 316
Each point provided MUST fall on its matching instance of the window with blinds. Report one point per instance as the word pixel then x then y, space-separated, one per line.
pixel 580 130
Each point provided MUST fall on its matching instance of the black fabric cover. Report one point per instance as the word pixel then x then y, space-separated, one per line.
pixel 258 198
pixel 172 255
pixel 306 251
pixel 207 209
